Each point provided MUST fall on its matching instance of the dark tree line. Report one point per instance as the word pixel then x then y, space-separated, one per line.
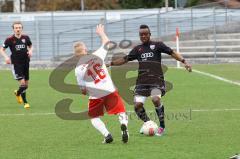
pixel 69 5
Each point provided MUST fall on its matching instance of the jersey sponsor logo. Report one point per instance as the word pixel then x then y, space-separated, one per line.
pixel 146 55
pixel 152 47
pixel 19 47
pixel 24 40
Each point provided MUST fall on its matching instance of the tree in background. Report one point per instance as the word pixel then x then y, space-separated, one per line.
pixel 6 6
pixel 192 3
pixel 68 5
pixel 103 4
pixel 134 4
pixel 53 5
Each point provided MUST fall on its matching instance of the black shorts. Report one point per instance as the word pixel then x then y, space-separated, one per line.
pixel 21 71
pixel 150 90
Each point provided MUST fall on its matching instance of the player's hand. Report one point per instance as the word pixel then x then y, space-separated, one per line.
pixel 188 67
pixel 29 53
pixel 7 60
pixel 108 64
pixel 84 91
pixel 100 29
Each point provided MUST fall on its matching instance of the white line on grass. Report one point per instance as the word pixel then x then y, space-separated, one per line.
pixel 199 110
pixel 213 110
pixel 213 76
pixel 217 77
pixel 27 114
pixel 193 110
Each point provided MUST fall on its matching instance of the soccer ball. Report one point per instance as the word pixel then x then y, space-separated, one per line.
pixel 149 128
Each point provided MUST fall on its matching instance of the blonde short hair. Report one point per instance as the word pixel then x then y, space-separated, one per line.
pixel 79 48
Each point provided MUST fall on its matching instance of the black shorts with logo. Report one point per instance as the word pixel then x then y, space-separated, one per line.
pixel 21 71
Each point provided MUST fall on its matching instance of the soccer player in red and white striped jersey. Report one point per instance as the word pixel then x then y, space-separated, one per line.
pixel 94 80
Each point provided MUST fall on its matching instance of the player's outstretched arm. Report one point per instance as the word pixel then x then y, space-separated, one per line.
pixel 117 62
pixel 3 53
pixel 105 40
pixel 100 31
pixel 83 90
pixel 179 57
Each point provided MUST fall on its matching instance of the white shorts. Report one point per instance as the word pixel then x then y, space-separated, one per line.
pixel 142 99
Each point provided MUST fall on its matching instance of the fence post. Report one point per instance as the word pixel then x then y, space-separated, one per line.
pixel 176 4
pixel 58 42
pixel 214 35
pixel 91 38
pixel 53 36
pixel 226 11
pixel 158 24
pixel 124 29
pixel 192 19
pixel 37 40
pixel 105 21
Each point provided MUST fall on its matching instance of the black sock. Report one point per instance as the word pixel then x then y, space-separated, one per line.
pixel 160 114
pixel 141 113
pixel 21 89
pixel 24 97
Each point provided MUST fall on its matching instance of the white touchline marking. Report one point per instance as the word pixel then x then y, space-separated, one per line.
pixel 197 110
pixel 26 114
pixel 217 77
pixel 214 110
pixel 193 110
pixel 214 76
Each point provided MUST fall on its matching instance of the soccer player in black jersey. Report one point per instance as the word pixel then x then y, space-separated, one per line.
pixel 21 52
pixel 150 81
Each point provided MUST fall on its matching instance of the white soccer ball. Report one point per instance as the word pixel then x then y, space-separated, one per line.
pixel 149 128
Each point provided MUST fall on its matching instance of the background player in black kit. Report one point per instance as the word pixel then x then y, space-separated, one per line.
pixel 21 49
pixel 150 81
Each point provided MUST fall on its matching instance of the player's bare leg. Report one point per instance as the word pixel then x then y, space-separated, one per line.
pixel 100 126
pixel 123 119
pixel 160 113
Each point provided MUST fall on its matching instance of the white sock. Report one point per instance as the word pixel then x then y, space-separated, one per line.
pixel 123 118
pixel 100 126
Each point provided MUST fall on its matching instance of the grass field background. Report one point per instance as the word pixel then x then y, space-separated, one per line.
pixel 211 134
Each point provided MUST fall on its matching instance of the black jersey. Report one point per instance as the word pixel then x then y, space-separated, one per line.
pixel 18 47
pixel 149 58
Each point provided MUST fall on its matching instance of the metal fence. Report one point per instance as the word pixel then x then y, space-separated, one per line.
pixel 53 33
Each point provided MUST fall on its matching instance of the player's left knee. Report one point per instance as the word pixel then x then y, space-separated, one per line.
pixel 156 100
pixel 24 83
pixel 138 105
pixel 24 86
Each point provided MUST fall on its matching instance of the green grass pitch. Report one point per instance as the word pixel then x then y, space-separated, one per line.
pixel 39 134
